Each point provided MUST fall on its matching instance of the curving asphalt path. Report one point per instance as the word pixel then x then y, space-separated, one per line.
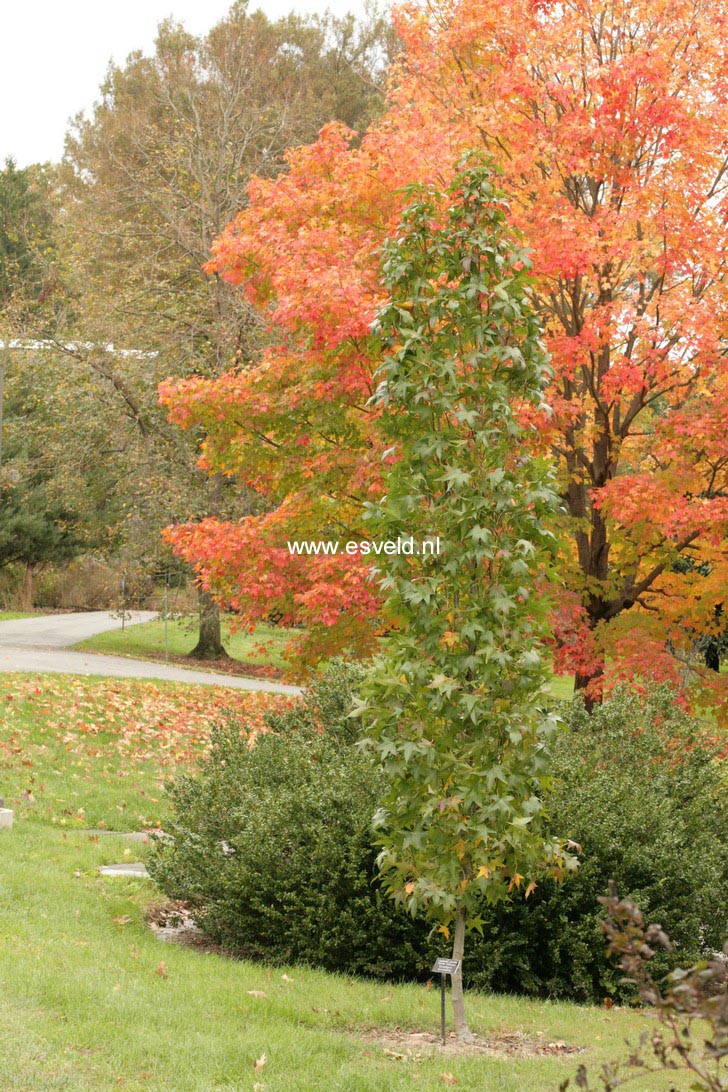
pixel 42 644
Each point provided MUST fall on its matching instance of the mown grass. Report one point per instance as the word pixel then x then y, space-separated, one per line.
pixel 83 752
pixel 264 646
pixel 91 999
pixel 11 615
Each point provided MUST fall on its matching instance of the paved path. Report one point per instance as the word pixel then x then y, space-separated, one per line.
pixel 42 644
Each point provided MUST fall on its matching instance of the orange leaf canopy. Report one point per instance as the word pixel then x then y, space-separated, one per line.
pixel 608 124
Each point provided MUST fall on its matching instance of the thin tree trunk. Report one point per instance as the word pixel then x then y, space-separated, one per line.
pixel 712 655
pixel 27 593
pixel 712 645
pixel 582 681
pixel 209 642
pixel 462 1030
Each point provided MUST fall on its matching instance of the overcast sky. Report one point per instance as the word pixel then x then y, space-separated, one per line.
pixel 54 54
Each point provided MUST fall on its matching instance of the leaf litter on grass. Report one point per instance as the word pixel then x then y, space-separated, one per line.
pixel 83 729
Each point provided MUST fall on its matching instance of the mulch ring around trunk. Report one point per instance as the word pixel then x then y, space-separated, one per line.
pixel 411 1045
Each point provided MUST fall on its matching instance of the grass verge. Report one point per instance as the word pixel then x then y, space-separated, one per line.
pixel 259 650
pixel 91 999
pixel 262 649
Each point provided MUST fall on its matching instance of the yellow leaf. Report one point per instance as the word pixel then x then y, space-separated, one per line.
pixel 409 887
pixel 444 930
pixel 483 872
pixel 515 881
pixel 530 889
pixel 260 1062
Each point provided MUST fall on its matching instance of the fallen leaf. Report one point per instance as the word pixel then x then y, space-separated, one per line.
pixel 285 978
pixel 256 993
pixel 448 1078
pixel 162 969
pixel 260 1062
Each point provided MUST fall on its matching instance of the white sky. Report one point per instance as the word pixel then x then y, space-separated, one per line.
pixel 54 55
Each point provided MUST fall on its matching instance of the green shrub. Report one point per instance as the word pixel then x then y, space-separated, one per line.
pixel 272 844
pixel 638 786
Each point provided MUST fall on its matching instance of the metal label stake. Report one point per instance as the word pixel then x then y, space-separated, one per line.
pixel 444 967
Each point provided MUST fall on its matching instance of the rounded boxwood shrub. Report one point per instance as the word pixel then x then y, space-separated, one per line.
pixel 271 843
pixel 640 786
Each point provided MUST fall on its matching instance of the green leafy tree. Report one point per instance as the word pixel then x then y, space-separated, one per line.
pixel 456 706
pixel 26 257
pixel 36 528
pixel 39 522
pixel 26 230
pixel 57 487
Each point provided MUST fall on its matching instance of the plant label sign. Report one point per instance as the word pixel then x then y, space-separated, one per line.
pixel 446 966
pixel 443 967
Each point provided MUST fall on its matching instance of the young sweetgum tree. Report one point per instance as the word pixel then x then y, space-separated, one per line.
pixel 455 707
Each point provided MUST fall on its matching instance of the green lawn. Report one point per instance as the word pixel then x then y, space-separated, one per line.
pixel 10 615
pixel 91 999
pixel 264 646
pixel 562 687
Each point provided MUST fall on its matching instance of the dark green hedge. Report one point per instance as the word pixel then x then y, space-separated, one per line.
pixel 271 843
pixel 639 788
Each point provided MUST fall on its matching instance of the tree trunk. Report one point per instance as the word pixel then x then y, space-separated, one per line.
pixel 712 655
pixel 581 682
pixel 462 1030
pixel 27 592
pixel 209 642
pixel 712 645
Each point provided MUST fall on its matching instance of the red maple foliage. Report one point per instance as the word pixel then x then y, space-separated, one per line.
pixel 608 126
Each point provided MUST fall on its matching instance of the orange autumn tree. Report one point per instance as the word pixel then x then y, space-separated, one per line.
pixel 608 123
